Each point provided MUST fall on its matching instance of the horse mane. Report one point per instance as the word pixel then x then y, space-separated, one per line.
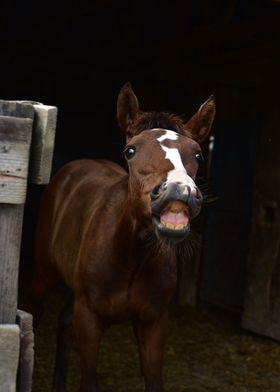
pixel 165 120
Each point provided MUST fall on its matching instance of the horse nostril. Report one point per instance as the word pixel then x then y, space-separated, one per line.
pixel 193 193
pixel 189 191
pixel 198 195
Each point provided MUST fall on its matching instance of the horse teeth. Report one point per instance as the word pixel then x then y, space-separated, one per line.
pixel 180 226
pixel 175 211
pixel 172 227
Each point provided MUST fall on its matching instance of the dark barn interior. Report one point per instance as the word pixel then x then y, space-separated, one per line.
pixel 77 56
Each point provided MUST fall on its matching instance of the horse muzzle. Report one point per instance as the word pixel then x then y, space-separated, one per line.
pixel 173 207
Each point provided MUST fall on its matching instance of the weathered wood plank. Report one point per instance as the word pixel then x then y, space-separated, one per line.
pixel 10 239
pixel 16 109
pixel 15 131
pixel 26 360
pixel 15 139
pixel 16 121
pixel 43 138
pixel 9 357
pixel 42 146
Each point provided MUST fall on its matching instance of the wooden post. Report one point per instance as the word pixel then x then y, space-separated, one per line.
pixel 26 359
pixel 16 122
pixel 9 354
pixel 19 161
pixel 15 139
pixel 42 146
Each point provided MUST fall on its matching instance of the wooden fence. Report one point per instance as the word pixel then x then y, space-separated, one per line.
pixel 27 132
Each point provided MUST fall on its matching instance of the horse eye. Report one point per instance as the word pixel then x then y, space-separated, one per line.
pixel 198 157
pixel 129 152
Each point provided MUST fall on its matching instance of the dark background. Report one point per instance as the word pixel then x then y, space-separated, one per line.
pixel 77 56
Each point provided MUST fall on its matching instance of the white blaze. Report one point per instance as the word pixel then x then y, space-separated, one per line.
pixel 179 173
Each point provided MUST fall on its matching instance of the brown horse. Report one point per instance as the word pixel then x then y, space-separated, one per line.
pixel 113 235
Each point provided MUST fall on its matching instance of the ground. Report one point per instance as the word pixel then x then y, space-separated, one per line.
pixel 206 351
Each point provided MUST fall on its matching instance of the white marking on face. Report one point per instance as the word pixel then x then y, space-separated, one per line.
pixel 171 135
pixel 179 173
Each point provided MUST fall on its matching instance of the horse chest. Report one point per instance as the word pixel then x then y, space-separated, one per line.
pixel 126 296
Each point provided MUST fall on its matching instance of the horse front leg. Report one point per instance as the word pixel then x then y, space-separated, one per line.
pixel 89 330
pixel 151 337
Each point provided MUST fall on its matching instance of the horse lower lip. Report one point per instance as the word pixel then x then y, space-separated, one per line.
pixel 171 226
pixel 178 233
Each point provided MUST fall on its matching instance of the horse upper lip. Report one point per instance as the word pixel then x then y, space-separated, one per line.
pixel 161 197
pixel 160 202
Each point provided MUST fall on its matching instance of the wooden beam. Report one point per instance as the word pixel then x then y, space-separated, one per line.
pixel 16 123
pixel 15 139
pixel 16 109
pixel 15 135
pixel 9 357
pixel 42 147
pixel 10 239
pixel 43 139
pixel 26 360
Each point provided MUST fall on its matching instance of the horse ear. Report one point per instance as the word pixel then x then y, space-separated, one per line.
pixel 200 123
pixel 127 107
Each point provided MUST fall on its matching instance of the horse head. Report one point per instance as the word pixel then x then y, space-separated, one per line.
pixel 163 155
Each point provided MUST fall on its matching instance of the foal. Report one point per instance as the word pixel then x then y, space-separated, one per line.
pixel 112 236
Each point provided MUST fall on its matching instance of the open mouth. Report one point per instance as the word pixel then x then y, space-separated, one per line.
pixel 173 220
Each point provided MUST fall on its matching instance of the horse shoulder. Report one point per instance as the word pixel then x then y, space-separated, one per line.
pixel 70 203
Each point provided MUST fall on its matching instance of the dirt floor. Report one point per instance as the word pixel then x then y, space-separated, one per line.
pixel 206 351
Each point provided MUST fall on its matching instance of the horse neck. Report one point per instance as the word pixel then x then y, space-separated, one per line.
pixel 135 238
pixel 138 241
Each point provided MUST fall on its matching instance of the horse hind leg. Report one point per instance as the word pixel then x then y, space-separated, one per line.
pixel 65 335
pixel 45 278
